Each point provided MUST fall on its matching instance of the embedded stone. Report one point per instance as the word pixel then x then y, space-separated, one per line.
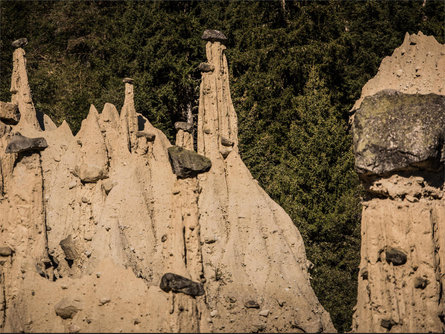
pixel 251 304
pixel 177 283
pixel 226 142
pixel 90 173
pixel 107 185
pixel 395 256
pixel 364 273
pixel 186 163
pixel 387 323
pixel 69 248
pixel 264 313
pixel 66 308
pixel 19 43
pixel 420 283
pixel 20 144
pixel 149 136
pixel 225 151
pixel 6 251
pixel 9 113
pixel 213 36
pixel 104 300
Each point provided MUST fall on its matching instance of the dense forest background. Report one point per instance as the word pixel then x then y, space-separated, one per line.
pixel 296 68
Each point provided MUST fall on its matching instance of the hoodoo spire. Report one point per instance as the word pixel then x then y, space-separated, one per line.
pixel 217 120
pixel 128 114
pixel 21 92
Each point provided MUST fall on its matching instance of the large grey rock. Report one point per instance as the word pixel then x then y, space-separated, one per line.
pixel 395 131
pixel 186 163
pixel 19 43
pixel 67 308
pixel 213 36
pixel 9 113
pixel 177 283
pixel 20 144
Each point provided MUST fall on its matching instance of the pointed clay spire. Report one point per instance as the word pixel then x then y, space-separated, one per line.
pixel 21 92
pixel 110 114
pixel 129 119
pixel 92 159
pixel 216 118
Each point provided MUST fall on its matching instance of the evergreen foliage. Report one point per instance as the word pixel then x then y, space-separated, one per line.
pixel 295 73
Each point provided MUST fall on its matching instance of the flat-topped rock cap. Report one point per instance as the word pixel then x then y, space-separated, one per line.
pixel 213 36
pixel 19 43
pixel 127 80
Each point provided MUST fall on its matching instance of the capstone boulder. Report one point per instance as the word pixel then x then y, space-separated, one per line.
pixel 395 131
pixel 214 36
pixel 186 163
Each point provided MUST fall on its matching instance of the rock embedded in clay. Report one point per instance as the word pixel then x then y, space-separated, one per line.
pixel 178 283
pixel 69 248
pixel 6 251
pixel 147 135
pixel 420 283
pixel 90 173
pixel 21 144
pixel 387 323
pixel 67 308
pixel 251 304
pixel 395 256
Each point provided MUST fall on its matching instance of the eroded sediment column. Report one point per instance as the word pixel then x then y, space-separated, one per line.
pixel 399 131
pixel 253 256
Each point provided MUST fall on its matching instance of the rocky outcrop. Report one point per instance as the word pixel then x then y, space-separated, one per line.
pixel 399 150
pixel 100 235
